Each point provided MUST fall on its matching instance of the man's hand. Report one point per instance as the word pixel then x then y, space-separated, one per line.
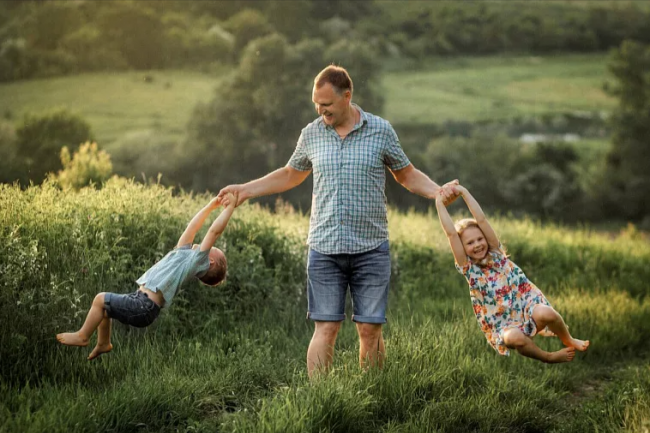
pixel 237 191
pixel 230 200
pixel 449 192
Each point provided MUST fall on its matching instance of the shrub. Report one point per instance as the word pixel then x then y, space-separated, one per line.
pixel 88 165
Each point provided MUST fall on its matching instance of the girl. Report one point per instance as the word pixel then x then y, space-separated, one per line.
pixel 509 308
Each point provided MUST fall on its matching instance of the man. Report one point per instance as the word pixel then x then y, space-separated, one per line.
pixel 347 149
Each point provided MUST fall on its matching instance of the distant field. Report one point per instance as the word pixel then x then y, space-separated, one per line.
pixel 468 89
pixel 115 103
pixel 496 88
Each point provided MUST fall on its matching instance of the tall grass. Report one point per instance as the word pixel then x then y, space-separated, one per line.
pixel 232 359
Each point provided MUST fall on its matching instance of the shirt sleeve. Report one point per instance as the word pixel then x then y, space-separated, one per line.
pixel 300 160
pixel 394 156
pixel 200 263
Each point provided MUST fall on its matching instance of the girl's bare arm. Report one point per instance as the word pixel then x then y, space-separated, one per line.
pixel 449 229
pixel 490 235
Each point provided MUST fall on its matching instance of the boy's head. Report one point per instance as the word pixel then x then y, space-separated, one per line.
pixel 218 266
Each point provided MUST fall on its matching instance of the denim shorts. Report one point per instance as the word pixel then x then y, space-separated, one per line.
pixel 135 309
pixel 366 274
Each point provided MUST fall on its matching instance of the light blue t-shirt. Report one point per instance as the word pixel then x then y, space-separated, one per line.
pixel 178 266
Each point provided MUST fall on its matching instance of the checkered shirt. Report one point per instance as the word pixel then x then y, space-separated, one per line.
pixel 348 210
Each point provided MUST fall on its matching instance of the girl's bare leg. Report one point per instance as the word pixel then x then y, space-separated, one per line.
pixel 515 339
pixel 93 319
pixel 103 338
pixel 546 316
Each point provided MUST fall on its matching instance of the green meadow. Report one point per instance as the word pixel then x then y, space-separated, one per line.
pixel 435 91
pixel 231 359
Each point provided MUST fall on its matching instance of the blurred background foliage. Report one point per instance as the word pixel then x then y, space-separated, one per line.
pixel 260 58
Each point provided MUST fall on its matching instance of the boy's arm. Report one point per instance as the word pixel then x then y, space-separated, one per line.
pixel 452 236
pixel 490 235
pixel 219 224
pixel 197 222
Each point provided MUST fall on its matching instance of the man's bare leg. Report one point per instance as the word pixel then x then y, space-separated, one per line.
pixel 103 338
pixel 371 345
pixel 320 353
pixel 93 319
pixel 515 339
pixel 546 316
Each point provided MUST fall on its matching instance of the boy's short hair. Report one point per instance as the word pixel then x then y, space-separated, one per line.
pixel 217 274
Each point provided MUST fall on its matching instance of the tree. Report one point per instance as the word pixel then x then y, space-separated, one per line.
pixel 41 137
pixel 255 117
pixel 627 179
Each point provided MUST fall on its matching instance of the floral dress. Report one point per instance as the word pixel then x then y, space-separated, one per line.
pixel 502 297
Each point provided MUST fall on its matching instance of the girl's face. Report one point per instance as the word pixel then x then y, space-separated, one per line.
pixel 476 246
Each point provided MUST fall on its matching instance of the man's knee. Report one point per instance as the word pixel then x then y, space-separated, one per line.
pixel 369 331
pixel 327 330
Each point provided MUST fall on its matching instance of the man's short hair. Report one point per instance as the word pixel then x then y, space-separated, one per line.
pixel 337 76
pixel 217 274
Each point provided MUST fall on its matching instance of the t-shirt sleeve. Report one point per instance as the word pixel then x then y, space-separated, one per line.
pixel 394 156
pixel 300 159
pixel 200 263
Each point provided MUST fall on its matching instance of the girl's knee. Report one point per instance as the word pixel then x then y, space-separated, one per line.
pixel 513 338
pixel 545 314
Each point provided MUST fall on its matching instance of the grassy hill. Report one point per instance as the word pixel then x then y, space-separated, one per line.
pixel 493 88
pixel 232 358
pixel 465 89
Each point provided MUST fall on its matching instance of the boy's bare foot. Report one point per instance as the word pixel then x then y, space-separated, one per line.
pixel 98 350
pixel 564 355
pixel 72 339
pixel 580 345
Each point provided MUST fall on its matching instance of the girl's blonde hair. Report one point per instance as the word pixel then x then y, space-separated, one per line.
pixel 464 224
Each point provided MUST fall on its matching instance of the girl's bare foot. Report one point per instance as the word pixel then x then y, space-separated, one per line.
pixel 72 339
pixel 580 345
pixel 564 355
pixel 546 333
pixel 98 350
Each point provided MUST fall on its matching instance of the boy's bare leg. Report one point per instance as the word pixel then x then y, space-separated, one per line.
pixel 93 319
pixel 321 348
pixel 546 316
pixel 371 348
pixel 515 339
pixel 103 338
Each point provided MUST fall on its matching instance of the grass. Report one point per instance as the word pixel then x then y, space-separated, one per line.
pixel 233 362
pixel 116 103
pixel 493 88
pixel 465 89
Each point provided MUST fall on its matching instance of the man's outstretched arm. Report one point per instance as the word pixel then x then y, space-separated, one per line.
pixel 280 180
pixel 419 183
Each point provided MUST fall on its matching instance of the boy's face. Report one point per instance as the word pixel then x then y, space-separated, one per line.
pixel 474 242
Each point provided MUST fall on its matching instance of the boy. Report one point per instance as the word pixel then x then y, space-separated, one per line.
pixel 160 283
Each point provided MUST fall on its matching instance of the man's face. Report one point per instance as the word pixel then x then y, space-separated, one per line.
pixel 333 107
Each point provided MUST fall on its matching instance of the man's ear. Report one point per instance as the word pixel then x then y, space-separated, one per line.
pixel 211 261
